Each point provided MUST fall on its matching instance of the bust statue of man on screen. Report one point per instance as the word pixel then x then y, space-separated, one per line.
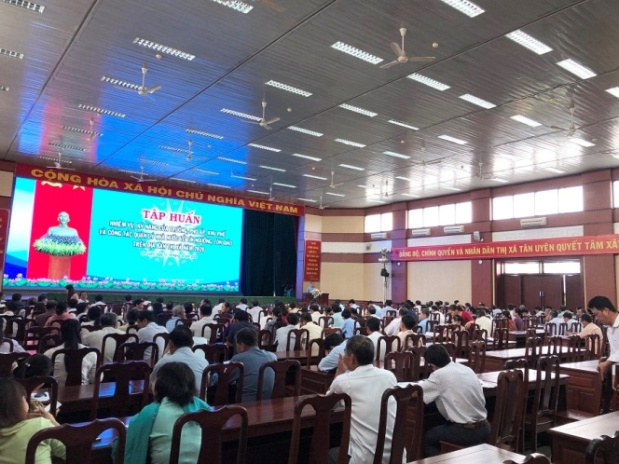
pixel 61 240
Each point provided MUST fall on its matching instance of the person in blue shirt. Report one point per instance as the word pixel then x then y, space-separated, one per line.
pixel 424 318
pixel 348 324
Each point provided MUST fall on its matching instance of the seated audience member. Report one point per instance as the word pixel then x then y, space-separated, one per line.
pixel 99 301
pixel 407 324
pixel 242 305
pixel 252 357
pixel 554 318
pixel 357 377
pixel 334 347
pixel 178 313
pixel 50 310
pixel 206 317
pixel 373 326
pixel 7 343
pixel 511 325
pixel 83 297
pixel 459 399
pixel 70 332
pixel 219 306
pixel 517 316
pixel 16 305
pixel 348 324
pixel 281 336
pixel 147 330
pixel 394 326
pixel 424 318
pixel 149 436
pixel 588 327
pixel 36 365
pixel 568 319
pixel 60 316
pixel 315 331
pixel 132 319
pixel 255 311
pixel 483 321
pixel 109 321
pixel 459 310
pixel 314 311
pixel 94 318
pixel 336 313
pixel 241 321
pixel 179 350
pixel 18 424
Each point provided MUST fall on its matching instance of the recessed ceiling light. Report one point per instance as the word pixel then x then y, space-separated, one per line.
pixel 271 168
pixel 66 147
pixel 64 160
pixel 221 186
pixel 96 109
pixel 350 166
pixel 614 91
pixel 356 109
pixel 455 189
pixel 449 138
pixel 527 41
pixel 205 172
pixel 498 179
pixel 236 176
pixel 178 179
pixel 403 178
pixel 120 83
pixel 241 115
pixel 477 101
pixel 428 81
pixel 204 134
pixel 411 195
pixel 333 194
pixel 150 161
pixel 311 158
pixel 4 88
pixel 555 170
pixel 289 88
pixel 82 131
pixel 259 192
pixel 279 184
pixel 236 5
pixel 264 147
pixel 351 143
pixel 309 200
pixel 377 201
pixel 311 176
pixel 396 155
pixel 525 120
pixel 402 124
pixel 27 5
pixel 581 142
pixel 465 6
pixel 305 131
pixel 231 160
pixel 173 149
pixel 11 54
pixel 356 52
pixel 163 49
pixel 577 69
pixel 125 171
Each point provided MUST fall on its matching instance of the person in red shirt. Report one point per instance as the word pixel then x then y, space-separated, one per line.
pixel 465 315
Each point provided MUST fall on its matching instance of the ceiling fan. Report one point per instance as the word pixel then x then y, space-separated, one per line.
pixel 401 56
pixel 573 128
pixel 333 185
pixel 189 152
pixel 141 177
pixel 264 122
pixel 143 91
pixel 58 164
pixel 320 205
pixel 425 162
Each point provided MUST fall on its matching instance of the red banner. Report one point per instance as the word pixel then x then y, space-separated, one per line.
pixel 311 269
pixel 567 246
pixel 4 233
pixel 152 188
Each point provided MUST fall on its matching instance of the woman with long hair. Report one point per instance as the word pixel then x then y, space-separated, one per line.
pixel 61 315
pixel 5 343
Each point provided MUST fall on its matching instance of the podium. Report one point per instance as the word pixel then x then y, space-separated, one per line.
pixel 322 300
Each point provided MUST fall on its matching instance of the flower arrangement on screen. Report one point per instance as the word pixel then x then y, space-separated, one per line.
pixel 316 293
pixel 60 245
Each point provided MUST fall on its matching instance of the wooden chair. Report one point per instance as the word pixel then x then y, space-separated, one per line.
pixel 555 344
pixel 479 334
pixel 574 347
pixel 388 341
pixel 161 339
pixel 400 363
pixel 331 330
pixel 7 342
pixel 300 337
pixel 319 447
pixel 550 329
pixel 508 411
pixel 418 372
pixel 461 339
pixel 442 333
pixel 123 373
pixel 451 349
pixel 413 340
pixel 213 353
pixel 325 321
pixel 79 440
pixel 132 351
pixel 265 340
pixel 407 431
pixel 311 359
pixel 216 332
pixel 533 347
pixel 48 383
pixel 7 360
pixel 132 329
pixel 162 318
pixel 211 424
pixel 477 356
pixel 225 373
pixel 500 338
pixel 16 328
pixel 593 346
pixel 562 329
pixel 546 400
pixel 34 334
pixel 533 458
pixel 520 363
pixel 73 363
pixel 605 445
pixel 119 339
pixel 281 370
pixel 48 341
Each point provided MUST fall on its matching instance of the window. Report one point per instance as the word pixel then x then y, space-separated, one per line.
pixel 430 216
pixel 444 215
pixel 464 212
pixel 546 202
pixel 379 222
pixel 524 205
pixel 503 207
pixel 528 267
pixel 562 267
pixel 571 200
pixel 543 202
pixel 415 218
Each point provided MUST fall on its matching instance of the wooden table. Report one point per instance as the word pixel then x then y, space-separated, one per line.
pixel 79 397
pixel 298 355
pixel 520 336
pixel 569 442
pixel 584 387
pixel 480 454
pixel 496 359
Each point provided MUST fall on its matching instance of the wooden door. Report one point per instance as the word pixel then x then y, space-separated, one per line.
pixel 532 290
pixel 552 289
pixel 573 292
pixel 510 290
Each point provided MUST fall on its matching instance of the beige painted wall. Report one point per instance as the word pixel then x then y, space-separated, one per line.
pixel 343 225
pixel 313 223
pixel 343 280
pixel 439 280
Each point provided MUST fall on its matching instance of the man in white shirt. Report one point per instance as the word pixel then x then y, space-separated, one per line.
pixel 315 331
pixel 255 311
pixel 394 326
pixel 206 317
pixel 373 326
pixel 218 306
pixel 281 336
pixel 606 314
pixel 334 346
pixel 95 339
pixel 242 305
pixel 147 331
pixel 315 312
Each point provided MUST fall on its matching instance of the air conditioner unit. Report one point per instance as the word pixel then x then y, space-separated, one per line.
pixel 453 229
pixel 533 222
pixel 378 236
pixel 420 232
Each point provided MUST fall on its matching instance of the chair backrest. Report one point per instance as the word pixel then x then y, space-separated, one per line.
pixel 407 431
pixel 413 340
pixel 533 349
pixel 388 341
pixel 562 328
pixel 265 340
pixel 161 339
pixel 7 360
pixel 216 329
pixel 300 336
pixel 451 349
pixel 281 370
pixel 132 351
pixel 211 423
pixel 331 330
pixel 319 447
pixel 550 329
pixel 593 346
pixel 555 344
pixel 574 349
pixel 533 458
pixel 48 341
pixel 224 373
pixel 418 372
pixel 118 339
pixel 16 328
pixel 461 339
pixel 605 445
pixel 520 363
pixel 500 338
pixel 401 364
pixel 546 398
pixel 34 334
pixel 442 333
pixel 73 363
pixel 213 353
pixel 162 318
pixel 49 383
pixel 325 321
pixel 479 334
pixel 509 409
pixel 79 440
pixel 320 342
pixel 477 356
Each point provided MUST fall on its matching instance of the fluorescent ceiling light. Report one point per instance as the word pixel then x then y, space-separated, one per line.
pixel 65 161
pixel 279 184
pixel 241 115
pixel 174 149
pixel 525 120
pixel 555 170
pixel 27 5
pixel 455 189
pixel 11 54
pixel 465 6
pixel 264 147
pixel 219 186
pixel 396 155
pixel 614 91
pixel 577 69
pixel 581 142
pixel 149 161
pixel 311 176
pixel 251 179
pixel 205 172
pixel 231 160
pixel 309 200
pixel 351 143
pixel 305 131
pixel 403 178
pixel 163 49
pixel 204 134
pixel 79 130
pixel 428 81
pixel 356 109
pixel 356 52
pixel 498 179
pixel 185 180
pixel 527 41
pixel 120 83
pixel 96 109
pixel 411 195
pixel 402 124
pixel 66 147
pixel 236 5
pixel 289 88
pixel 271 168
pixel 311 158
pixel 449 138
pixel 350 166
pixel 377 201
pixel 333 194
pixel 259 192
pixel 477 101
